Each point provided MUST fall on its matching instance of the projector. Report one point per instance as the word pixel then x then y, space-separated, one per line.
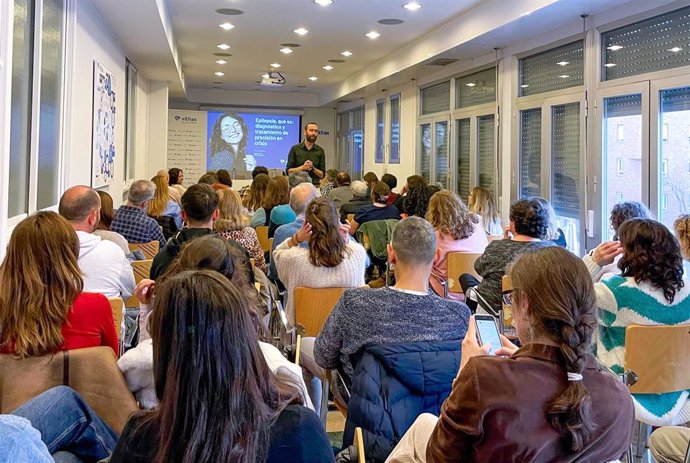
pixel 272 79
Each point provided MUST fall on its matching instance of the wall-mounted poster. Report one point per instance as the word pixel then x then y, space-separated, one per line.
pixel 103 149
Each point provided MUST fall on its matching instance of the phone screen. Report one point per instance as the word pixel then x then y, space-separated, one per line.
pixel 488 333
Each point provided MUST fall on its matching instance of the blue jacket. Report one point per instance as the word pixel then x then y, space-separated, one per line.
pixel 393 384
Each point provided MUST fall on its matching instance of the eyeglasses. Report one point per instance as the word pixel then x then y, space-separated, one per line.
pixel 508 297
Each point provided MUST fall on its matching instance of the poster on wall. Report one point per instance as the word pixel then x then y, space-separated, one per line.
pixel 187 143
pixel 103 148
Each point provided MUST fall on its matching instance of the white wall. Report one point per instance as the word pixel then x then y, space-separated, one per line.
pixel 158 128
pixel 326 120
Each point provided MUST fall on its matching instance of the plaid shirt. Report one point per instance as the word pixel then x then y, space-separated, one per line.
pixel 136 226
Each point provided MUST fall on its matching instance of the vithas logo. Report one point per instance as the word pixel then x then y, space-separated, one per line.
pixel 185 119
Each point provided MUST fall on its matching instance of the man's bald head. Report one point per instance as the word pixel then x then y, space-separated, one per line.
pixel 301 195
pixel 78 202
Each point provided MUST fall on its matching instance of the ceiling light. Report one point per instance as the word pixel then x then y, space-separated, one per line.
pixel 323 2
pixel 286 50
pixel 221 61
pixel 470 84
pixel 675 49
pixel 563 63
pixel 313 78
pixel 373 35
pixel 328 67
pixel 226 26
pixel 265 76
pixel 224 46
pixel 346 53
pixel 564 76
pixel 219 74
pixel 614 47
pixel 275 65
pixel 609 65
pixel 300 31
pixel 412 6
pixel 524 86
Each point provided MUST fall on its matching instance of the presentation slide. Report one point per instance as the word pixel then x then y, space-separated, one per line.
pixel 238 142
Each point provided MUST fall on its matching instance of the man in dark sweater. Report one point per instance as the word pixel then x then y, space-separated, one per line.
pixel 406 312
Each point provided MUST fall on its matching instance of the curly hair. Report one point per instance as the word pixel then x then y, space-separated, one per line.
pixel 681 227
pixel 651 254
pixel 417 200
pixel 326 245
pixel 530 218
pixel 449 216
pixel 217 144
pixel 626 211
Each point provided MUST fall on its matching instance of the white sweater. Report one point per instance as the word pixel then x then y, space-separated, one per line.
pixel 104 266
pixel 294 270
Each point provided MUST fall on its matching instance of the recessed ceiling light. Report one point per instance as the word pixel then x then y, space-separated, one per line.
pixel 229 11
pixel 470 84
pixel 265 75
pixel 346 53
pixel 275 65
pixel 614 47
pixel 524 86
pixel 323 2
pixel 286 50
pixel 313 78
pixel 609 65
pixel 226 26
pixel 675 49
pixel 564 76
pixel 301 31
pixel 219 74
pixel 412 6
pixel 221 61
pixel 373 35
pixel 563 63
pixel 224 46
pixel 328 67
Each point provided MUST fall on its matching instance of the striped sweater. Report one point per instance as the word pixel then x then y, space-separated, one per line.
pixel 624 302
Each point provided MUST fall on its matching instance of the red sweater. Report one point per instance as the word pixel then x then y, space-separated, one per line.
pixel 89 324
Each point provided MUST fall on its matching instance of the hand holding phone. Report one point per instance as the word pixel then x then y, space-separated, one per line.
pixel 487 332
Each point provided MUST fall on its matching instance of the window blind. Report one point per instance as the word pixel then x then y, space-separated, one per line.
pixel 565 160
pixel 530 153
pixel 463 177
pixel 379 132
pixel 425 150
pixel 395 129
pixel 475 89
pixel 357 118
pixel 485 152
pixel 555 69
pixel 435 98
pixel 441 145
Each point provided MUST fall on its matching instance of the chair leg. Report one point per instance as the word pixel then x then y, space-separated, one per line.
pixel 323 412
pixel 641 432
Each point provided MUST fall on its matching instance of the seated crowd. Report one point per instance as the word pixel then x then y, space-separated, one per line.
pixel 214 380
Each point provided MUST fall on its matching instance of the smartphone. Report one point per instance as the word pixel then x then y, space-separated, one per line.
pixel 487 332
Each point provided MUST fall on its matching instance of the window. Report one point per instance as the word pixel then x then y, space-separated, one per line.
pixel 485 152
pixel 394 157
pixel 475 89
pixel 530 153
pixel 435 98
pixel 651 45
pixel 673 155
pixel 619 166
pixel 130 118
pixel 556 69
pixel 379 132
pixel 463 158
pixel 620 133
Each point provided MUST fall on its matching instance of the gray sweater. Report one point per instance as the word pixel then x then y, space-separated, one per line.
pixel 385 315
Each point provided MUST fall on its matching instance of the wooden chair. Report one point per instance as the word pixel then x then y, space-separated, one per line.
pixel 149 249
pixel 313 306
pixel 142 270
pixel 359 442
pixel 117 306
pixel 262 234
pixel 459 263
pixel 657 361
pixel 92 372
pixel 298 345
pixel 350 218
pixel 506 321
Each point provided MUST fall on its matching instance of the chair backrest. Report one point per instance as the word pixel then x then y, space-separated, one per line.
pixel 350 218
pixel 262 234
pixel 459 263
pixel 270 248
pixel 142 270
pixel 92 372
pixel 659 356
pixel 117 305
pixel 359 441
pixel 506 284
pixel 149 249
pixel 313 305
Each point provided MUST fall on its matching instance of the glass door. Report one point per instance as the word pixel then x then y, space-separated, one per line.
pixel 425 141
pixel 463 157
pixel 475 152
pixel 440 150
pixel 356 140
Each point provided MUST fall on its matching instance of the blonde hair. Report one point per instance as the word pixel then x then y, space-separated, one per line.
pixel 483 204
pixel 232 215
pixel 39 281
pixel 448 215
pixel 160 200
pixel 257 191
pixel 682 228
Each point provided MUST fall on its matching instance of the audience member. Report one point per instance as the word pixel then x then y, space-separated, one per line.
pixel 232 224
pixel 529 223
pixel 300 196
pixel 457 230
pixel 328 182
pixel 162 205
pixel 131 220
pixel 256 171
pixel 298 177
pixel 206 348
pixel 669 444
pixel 104 267
pixel 681 227
pixel 413 181
pixel 650 290
pixel 406 312
pixel 42 306
pixel 359 199
pixel 172 192
pixel 370 178
pixel 378 210
pixel 253 199
pixel 392 182
pixel 209 178
pixel 481 202
pixel 224 178
pixel 417 200
pixel 277 193
pixel 331 259
pixel 343 192
pixel 106 218
pixel 175 179
pixel 547 401
pixel 554 233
